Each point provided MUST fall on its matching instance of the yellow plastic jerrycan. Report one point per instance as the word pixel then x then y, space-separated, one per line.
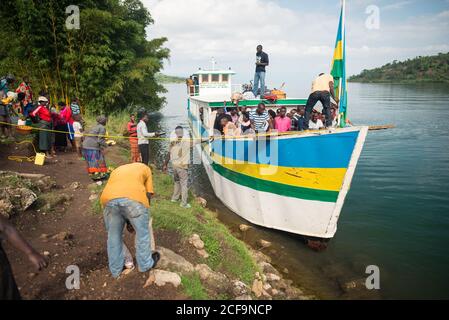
pixel 40 159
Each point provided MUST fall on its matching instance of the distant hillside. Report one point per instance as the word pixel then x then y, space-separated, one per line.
pixel 421 69
pixel 163 78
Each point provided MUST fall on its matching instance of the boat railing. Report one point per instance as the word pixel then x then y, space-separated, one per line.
pixel 193 91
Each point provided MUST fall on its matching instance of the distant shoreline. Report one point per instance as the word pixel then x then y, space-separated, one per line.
pixel 399 82
pixel 165 79
pixel 422 69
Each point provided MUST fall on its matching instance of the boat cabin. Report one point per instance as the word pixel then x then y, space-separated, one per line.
pixel 212 83
pixel 213 89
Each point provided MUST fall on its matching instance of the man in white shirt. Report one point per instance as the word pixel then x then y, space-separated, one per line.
pixel 315 123
pixel 142 137
pixel 322 90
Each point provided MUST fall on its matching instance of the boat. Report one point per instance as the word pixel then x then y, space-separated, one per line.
pixel 296 182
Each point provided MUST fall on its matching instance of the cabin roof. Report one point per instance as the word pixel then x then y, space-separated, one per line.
pixel 213 72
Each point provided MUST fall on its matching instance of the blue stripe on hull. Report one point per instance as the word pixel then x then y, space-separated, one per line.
pixel 323 151
pixel 326 151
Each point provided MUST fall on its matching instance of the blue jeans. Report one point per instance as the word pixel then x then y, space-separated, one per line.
pixel 259 77
pixel 115 213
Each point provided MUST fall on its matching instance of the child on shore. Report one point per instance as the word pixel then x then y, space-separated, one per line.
pixel 78 133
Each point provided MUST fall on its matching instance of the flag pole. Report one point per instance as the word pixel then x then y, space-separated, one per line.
pixel 343 31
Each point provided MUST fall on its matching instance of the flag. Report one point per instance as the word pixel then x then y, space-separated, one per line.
pixel 339 68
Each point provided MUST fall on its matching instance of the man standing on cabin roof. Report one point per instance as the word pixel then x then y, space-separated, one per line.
pixel 322 90
pixel 262 62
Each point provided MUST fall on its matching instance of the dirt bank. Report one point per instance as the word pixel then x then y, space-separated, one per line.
pixel 72 233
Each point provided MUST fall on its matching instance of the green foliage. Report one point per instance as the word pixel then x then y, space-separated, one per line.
pixel 193 287
pixel 221 245
pixel 421 69
pixel 109 64
pixel 163 78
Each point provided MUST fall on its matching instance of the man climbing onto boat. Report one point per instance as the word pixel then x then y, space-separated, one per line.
pixel 322 90
pixel 262 62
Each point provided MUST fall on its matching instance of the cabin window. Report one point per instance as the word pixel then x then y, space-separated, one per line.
pixel 224 77
pixel 205 78
pixel 215 78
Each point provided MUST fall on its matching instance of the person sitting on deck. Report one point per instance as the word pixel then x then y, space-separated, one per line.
pixel 228 128
pixel 334 116
pixel 127 198
pixel 260 119
pixel 234 115
pixel 272 114
pixel 245 123
pixel 315 123
pixel 220 115
pixel 322 90
pixel 282 123
pixel 299 119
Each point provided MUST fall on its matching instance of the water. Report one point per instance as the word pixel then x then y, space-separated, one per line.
pixel 396 215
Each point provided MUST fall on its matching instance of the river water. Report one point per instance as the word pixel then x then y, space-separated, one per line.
pixel 396 215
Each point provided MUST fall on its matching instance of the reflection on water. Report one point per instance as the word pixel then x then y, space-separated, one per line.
pixel 396 215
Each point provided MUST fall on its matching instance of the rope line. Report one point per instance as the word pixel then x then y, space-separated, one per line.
pixel 277 134
pixel 24 158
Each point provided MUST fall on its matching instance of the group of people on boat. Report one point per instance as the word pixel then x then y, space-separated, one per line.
pixel 237 120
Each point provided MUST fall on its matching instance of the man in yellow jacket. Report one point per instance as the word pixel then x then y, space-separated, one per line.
pixel 126 198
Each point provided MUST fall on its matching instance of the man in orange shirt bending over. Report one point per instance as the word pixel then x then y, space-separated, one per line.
pixel 126 198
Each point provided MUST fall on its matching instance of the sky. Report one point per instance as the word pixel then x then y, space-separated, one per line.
pixel 298 35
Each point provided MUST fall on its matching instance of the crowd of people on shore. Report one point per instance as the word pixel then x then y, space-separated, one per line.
pixel 60 124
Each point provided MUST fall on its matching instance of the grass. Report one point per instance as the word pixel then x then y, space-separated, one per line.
pixel 116 125
pixel 227 254
pixel 193 287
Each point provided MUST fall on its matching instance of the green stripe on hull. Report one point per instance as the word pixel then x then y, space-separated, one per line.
pixel 276 188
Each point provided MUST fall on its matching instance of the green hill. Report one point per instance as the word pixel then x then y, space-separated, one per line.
pixel 163 78
pixel 421 69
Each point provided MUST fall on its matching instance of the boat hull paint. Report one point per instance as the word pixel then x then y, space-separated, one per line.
pixel 305 191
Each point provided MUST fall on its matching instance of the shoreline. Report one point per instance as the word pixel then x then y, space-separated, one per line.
pixel 68 209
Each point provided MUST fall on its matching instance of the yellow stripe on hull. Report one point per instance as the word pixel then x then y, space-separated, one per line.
pixel 313 178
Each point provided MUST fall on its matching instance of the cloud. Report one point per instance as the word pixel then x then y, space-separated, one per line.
pixel 299 38
pixel 397 5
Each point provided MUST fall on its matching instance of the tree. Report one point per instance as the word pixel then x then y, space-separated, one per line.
pixel 108 63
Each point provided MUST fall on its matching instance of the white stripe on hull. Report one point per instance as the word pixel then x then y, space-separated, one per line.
pixel 305 217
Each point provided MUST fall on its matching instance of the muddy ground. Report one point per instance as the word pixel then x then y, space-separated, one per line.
pixel 86 247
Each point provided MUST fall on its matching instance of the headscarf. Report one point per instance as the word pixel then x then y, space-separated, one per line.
pixel 102 120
